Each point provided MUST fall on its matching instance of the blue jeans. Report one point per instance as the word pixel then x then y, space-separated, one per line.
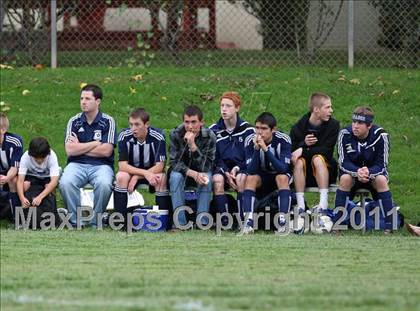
pixel 177 189
pixel 76 176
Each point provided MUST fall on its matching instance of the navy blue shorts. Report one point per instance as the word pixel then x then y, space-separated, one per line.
pixel 268 183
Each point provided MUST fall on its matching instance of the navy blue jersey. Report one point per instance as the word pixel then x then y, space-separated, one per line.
pixel 230 145
pixel 10 152
pixel 371 152
pixel 275 161
pixel 101 129
pixel 142 154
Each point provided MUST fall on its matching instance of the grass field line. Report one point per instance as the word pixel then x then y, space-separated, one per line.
pixel 10 297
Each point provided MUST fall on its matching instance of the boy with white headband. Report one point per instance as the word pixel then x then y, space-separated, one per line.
pixel 363 150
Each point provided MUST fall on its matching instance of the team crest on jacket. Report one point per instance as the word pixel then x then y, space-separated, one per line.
pixel 349 148
pixel 97 135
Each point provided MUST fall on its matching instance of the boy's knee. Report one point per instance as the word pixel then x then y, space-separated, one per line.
pixel 218 182
pixel 103 185
pixel 299 164
pixel 381 181
pixel 122 178
pixel 282 180
pixel 346 181
pixel 175 178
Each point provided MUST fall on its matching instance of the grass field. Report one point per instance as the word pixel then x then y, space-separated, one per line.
pixel 199 270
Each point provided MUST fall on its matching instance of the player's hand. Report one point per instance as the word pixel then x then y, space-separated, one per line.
pixel 363 174
pixel 3 179
pixel 310 140
pixel 234 171
pixel 189 138
pixel 132 184
pixel 255 141
pixel 231 180
pixel 202 179
pixel 261 143
pixel 25 202
pixel 37 201
pixel 153 179
pixel 296 155
pixel 73 138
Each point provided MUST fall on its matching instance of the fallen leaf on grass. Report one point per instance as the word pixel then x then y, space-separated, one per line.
pixel 3 66
pixel 138 77
pixel 132 90
pixel 25 92
pixel 396 92
pixel 39 66
pixel 355 81
pixel 164 98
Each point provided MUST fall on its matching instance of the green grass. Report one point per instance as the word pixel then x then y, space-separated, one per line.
pixel 199 270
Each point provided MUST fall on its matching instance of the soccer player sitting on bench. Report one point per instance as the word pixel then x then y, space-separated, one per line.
pixel 363 150
pixel 268 167
pixel 313 140
pixel 231 132
pixel 10 154
pixel 142 155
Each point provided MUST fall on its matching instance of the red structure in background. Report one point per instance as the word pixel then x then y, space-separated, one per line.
pixel 90 32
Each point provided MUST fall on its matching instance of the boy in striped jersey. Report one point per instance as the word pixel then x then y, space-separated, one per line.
pixel 268 167
pixel 142 156
pixel 10 154
pixel 89 144
pixel 363 150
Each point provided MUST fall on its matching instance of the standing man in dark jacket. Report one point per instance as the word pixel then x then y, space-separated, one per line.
pixel 192 155
pixel 313 140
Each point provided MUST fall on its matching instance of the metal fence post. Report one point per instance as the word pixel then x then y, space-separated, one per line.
pixel 53 34
pixel 350 35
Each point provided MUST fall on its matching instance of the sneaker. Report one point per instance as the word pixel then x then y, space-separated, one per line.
pixel 246 230
pixel 321 224
pixel 282 228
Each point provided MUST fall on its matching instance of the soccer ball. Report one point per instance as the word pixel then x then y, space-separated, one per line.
pixel 321 224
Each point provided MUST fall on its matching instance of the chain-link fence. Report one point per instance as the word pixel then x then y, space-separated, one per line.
pixel 383 33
